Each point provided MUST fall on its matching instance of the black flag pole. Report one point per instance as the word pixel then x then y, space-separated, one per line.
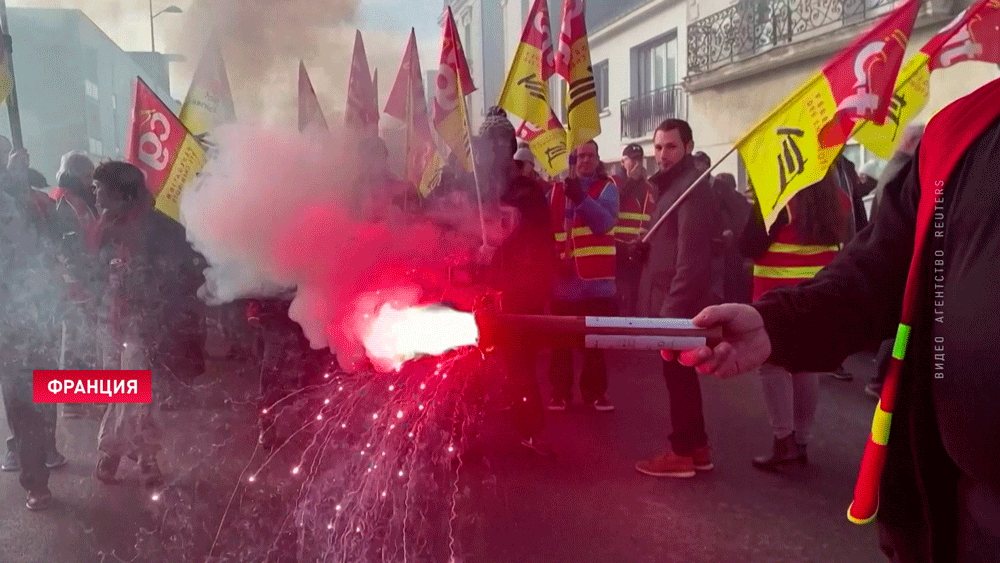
pixel 12 110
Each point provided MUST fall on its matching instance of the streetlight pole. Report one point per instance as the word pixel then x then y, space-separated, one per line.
pixel 152 39
pixel 152 16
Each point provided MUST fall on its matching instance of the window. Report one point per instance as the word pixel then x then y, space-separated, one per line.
pixel 654 64
pixel 601 84
pixel 91 90
pixel 96 147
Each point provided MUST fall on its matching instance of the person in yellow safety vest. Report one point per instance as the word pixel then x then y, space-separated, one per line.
pixel 806 236
pixel 636 196
pixel 584 210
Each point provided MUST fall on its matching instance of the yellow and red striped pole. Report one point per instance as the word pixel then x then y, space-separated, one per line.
pixel 865 505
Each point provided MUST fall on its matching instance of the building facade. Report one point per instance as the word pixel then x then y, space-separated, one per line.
pixel 74 86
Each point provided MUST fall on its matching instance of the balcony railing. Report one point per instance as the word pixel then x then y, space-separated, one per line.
pixel 754 26
pixel 642 114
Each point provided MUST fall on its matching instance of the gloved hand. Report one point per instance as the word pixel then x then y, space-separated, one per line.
pixel 638 252
pixel 574 191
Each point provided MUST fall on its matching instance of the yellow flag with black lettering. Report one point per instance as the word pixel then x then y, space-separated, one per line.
pixel 783 154
pixel 526 92
pixel 548 144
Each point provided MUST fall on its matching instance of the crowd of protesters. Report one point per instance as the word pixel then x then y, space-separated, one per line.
pixel 121 285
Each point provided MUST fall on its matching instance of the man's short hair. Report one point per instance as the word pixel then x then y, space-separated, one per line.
pixel 700 155
pixel 633 151
pixel 122 178
pixel 682 127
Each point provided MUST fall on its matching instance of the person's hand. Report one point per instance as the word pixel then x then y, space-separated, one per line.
pixel 574 191
pixel 745 343
pixel 484 254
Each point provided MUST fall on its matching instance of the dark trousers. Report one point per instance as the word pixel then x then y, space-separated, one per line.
pixel 882 361
pixel 594 378
pixel 521 360
pixel 627 281
pixel 33 427
pixel 686 416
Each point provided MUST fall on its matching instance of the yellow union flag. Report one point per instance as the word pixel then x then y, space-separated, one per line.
pixel 6 82
pixel 909 98
pixel 188 163
pixel 548 144
pixel 431 177
pixel 526 92
pixel 209 101
pixel 782 154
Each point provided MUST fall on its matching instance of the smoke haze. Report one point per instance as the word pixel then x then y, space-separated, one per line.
pixel 269 214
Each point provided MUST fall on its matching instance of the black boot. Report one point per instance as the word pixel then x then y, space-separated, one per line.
pixel 786 452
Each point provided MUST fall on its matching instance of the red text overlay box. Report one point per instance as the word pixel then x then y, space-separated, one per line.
pixel 93 386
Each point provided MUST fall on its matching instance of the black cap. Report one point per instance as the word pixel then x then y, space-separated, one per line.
pixel 633 151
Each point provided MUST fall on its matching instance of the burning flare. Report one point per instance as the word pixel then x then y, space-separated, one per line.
pixel 399 335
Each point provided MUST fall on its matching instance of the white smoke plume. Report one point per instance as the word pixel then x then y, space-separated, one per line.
pixel 272 212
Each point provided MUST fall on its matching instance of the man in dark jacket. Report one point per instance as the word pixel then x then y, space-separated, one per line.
pixel 677 282
pixel 939 498
pixel 29 309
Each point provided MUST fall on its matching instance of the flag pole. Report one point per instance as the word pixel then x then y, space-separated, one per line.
pixel 12 108
pixel 409 131
pixel 677 203
pixel 472 155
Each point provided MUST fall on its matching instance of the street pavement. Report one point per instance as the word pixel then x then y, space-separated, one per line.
pixel 585 505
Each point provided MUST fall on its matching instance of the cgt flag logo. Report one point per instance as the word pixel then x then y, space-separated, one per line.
pixel 92 386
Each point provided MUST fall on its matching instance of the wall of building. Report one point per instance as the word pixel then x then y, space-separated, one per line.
pixel 615 44
pixel 74 87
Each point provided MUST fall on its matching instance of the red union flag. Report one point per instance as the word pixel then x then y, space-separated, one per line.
pixel 361 114
pixel 310 114
pixel 406 103
pixel 92 386
pixel 454 82
pixel 166 152
pixel 974 35
pixel 863 76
